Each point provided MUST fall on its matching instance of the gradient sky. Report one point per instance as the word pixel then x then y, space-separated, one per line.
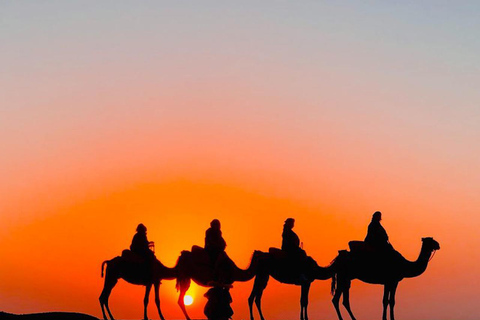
pixel 171 114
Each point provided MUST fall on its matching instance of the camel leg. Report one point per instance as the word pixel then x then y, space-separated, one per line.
pixel 304 301
pixel 251 298
pixel 386 291
pixel 258 286
pixel 108 310
pixel 336 301
pixel 343 287
pixel 393 290
pixel 103 301
pixel 157 299
pixel 184 285
pixel 109 284
pixel 346 301
pixel 148 287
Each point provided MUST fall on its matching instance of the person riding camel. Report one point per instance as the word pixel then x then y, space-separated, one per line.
pixel 377 237
pixel 290 240
pixel 296 256
pixel 214 243
pixel 215 247
pixel 141 246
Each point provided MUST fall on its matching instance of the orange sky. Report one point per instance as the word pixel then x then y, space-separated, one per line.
pixel 172 115
pixel 58 250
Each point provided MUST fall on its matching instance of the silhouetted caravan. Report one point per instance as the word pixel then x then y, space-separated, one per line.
pixel 289 265
pixel 387 269
pixel 136 266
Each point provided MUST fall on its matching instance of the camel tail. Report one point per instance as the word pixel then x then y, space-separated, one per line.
pixel 180 282
pixel 103 265
pixel 180 268
pixel 334 284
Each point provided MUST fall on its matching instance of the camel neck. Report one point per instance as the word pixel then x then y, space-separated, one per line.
pixel 416 268
pixel 323 273
pixel 243 275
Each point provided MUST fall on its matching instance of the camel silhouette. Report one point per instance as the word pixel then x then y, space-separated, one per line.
pixel 376 269
pixel 283 271
pixel 134 272
pixel 196 265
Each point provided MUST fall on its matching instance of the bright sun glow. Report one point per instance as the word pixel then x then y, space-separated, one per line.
pixel 188 300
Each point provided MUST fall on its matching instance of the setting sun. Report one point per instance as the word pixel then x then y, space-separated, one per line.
pixel 188 300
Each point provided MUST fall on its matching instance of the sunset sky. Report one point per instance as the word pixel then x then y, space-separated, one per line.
pixel 174 113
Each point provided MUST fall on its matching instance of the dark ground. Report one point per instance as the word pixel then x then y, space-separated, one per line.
pixel 47 316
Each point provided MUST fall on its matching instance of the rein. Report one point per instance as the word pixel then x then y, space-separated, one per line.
pixel 433 254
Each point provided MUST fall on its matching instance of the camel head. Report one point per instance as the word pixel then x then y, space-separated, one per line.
pixel 431 244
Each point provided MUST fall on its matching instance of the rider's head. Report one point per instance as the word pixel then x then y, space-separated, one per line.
pixel 215 224
pixel 289 223
pixel 377 216
pixel 141 228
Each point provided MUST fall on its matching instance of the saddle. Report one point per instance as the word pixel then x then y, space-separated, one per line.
pixel 361 250
pixel 133 257
pixel 363 247
pixel 280 254
pixel 357 246
pixel 197 249
pixel 201 255
pixel 277 254
pixel 295 266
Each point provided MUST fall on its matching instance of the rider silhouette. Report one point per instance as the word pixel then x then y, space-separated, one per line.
pixel 296 256
pixel 140 244
pixel 377 237
pixel 215 247
pixel 214 242
pixel 290 240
